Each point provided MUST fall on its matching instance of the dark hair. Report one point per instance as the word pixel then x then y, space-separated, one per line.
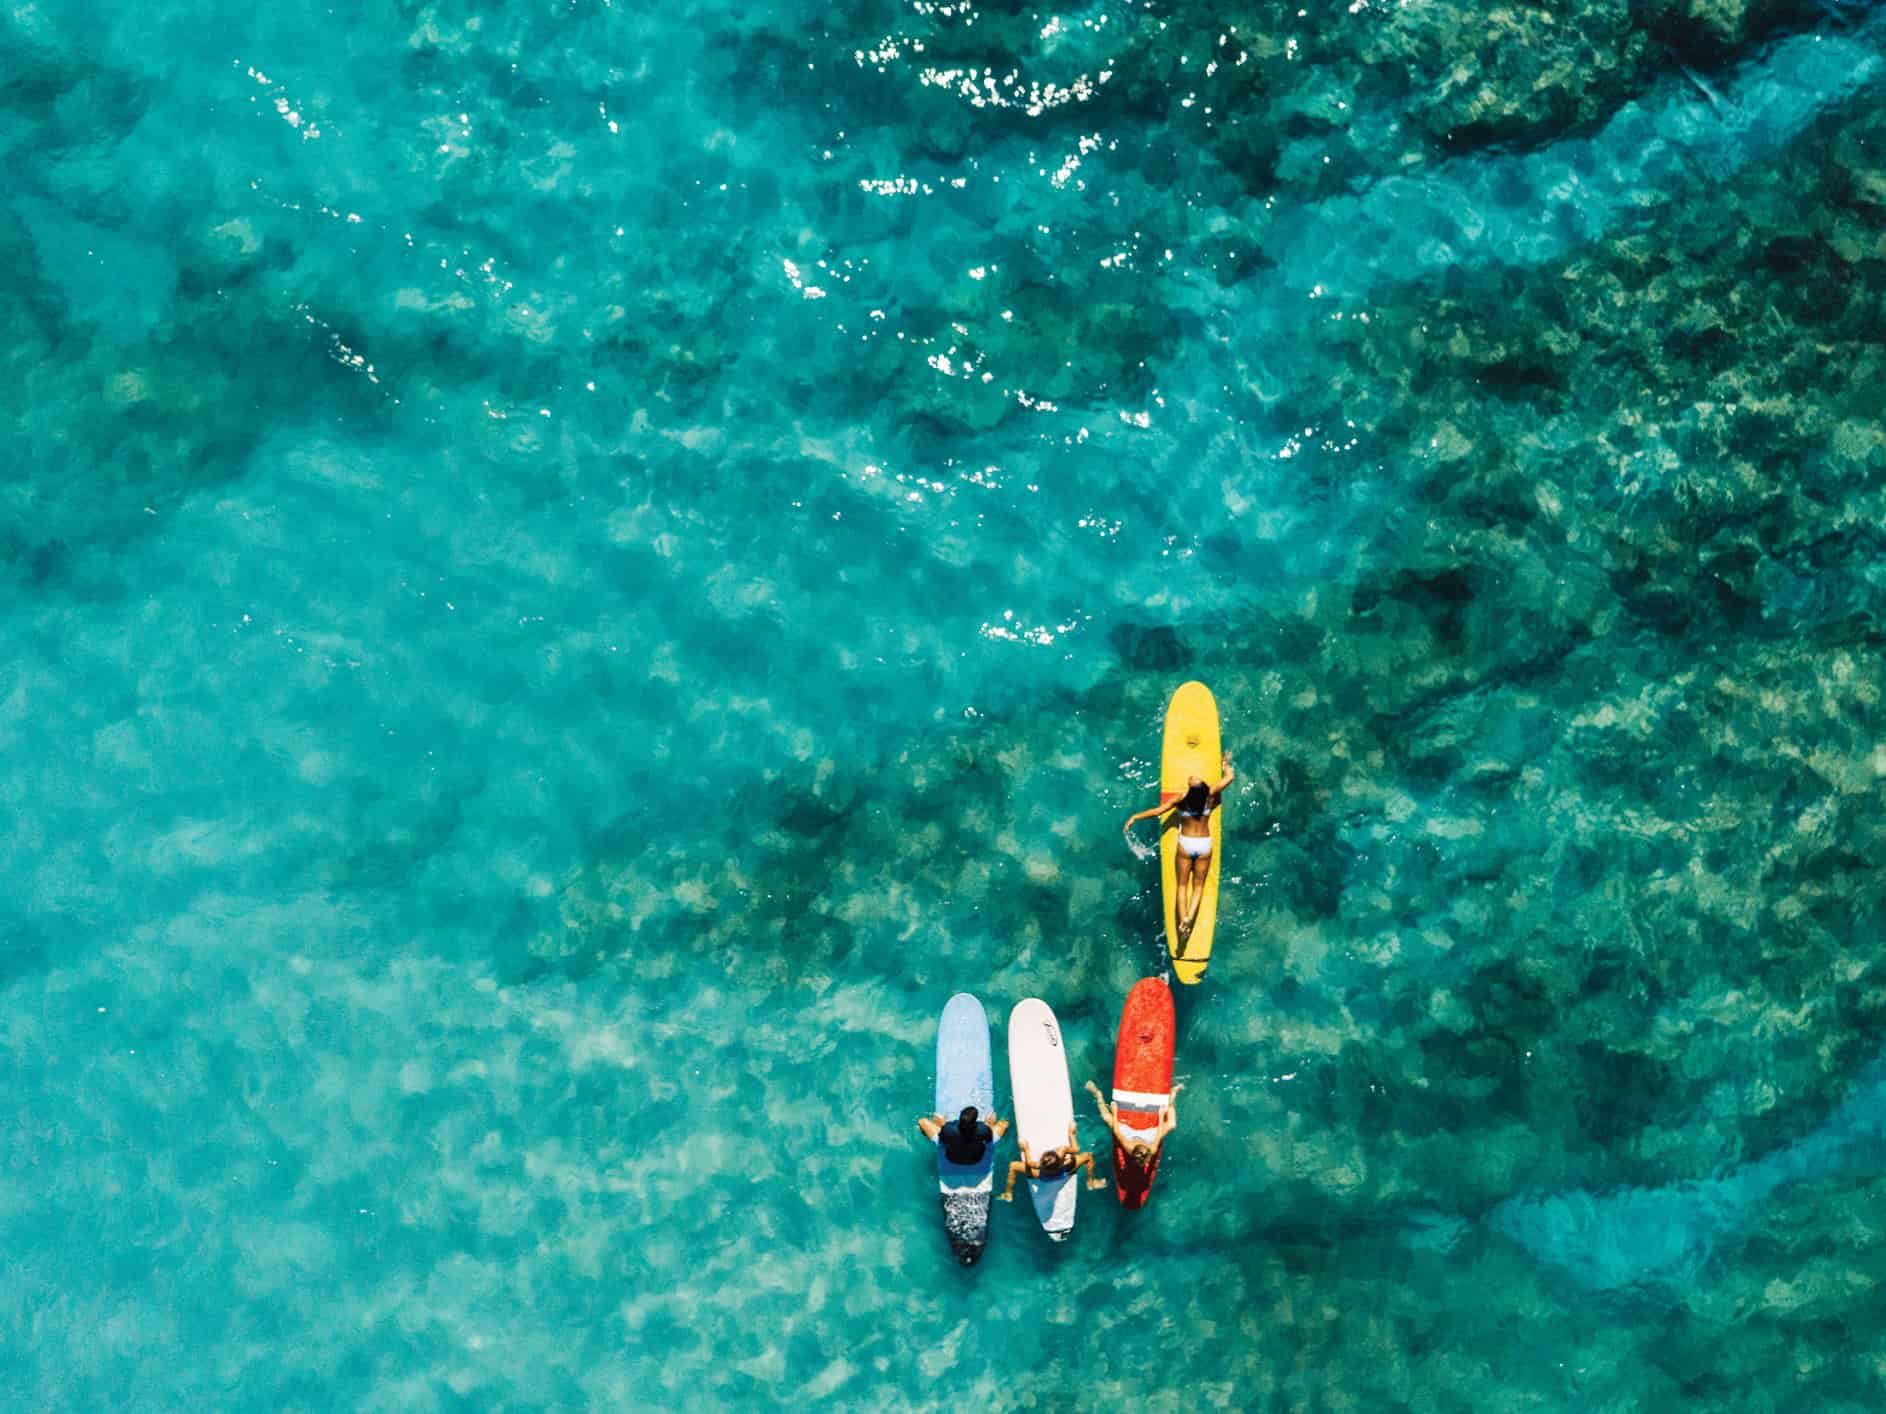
pixel 1195 798
pixel 967 1119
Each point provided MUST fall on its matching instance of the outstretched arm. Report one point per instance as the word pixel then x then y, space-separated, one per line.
pixel 1148 813
pixel 1169 1120
pixel 998 1127
pixel 1106 1112
pixel 1230 775
pixel 1094 1180
pixel 931 1125
pixel 1016 1166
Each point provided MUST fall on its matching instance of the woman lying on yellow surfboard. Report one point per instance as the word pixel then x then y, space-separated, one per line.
pixel 1192 864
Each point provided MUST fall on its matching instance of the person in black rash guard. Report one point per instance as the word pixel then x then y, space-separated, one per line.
pixel 966 1138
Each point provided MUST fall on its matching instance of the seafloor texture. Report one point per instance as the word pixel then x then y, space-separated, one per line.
pixel 571 572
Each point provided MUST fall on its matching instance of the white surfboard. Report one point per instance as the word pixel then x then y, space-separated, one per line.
pixel 1044 1106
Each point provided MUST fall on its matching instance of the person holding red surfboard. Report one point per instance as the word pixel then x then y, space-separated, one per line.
pixel 1193 862
pixel 1140 1115
pixel 1056 1163
pixel 1140 1155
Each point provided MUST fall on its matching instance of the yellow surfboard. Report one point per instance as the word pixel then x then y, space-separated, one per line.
pixel 1190 749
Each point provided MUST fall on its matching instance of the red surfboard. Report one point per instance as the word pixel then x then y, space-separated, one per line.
pixel 1142 1081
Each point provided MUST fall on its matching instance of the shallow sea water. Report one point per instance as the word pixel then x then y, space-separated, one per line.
pixel 571 572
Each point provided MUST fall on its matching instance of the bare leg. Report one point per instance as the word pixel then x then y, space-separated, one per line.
pixel 1183 913
pixel 1201 870
pixel 1181 870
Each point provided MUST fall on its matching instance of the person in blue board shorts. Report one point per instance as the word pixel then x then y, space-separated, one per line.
pixel 966 1138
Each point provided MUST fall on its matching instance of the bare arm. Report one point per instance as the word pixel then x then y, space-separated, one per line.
pixel 1015 1168
pixel 1094 1180
pixel 1169 1121
pixel 998 1127
pixel 1111 1116
pixel 931 1125
pixel 1148 813
pixel 1229 776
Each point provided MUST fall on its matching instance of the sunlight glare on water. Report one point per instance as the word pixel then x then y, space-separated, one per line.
pixel 572 573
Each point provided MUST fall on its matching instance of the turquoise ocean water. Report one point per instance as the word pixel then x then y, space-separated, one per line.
pixel 569 571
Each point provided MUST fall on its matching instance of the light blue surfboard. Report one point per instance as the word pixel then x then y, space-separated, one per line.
pixel 965 1075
